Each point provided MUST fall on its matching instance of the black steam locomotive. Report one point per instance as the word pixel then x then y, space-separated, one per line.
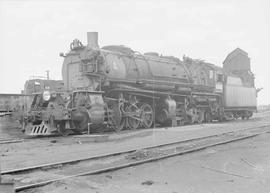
pixel 119 88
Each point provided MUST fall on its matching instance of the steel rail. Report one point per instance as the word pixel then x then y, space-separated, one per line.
pixel 11 141
pixel 134 163
pixel 30 168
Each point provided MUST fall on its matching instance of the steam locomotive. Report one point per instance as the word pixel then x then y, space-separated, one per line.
pixel 16 105
pixel 118 88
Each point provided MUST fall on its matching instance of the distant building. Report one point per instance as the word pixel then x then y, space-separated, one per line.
pixel 237 60
pixel 238 63
pixel 263 107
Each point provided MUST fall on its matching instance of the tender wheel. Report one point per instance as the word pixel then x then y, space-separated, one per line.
pixel 243 115
pixel 249 115
pixel 147 115
pixel 133 119
pixel 236 115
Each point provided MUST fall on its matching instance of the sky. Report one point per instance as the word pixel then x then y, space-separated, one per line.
pixel 33 33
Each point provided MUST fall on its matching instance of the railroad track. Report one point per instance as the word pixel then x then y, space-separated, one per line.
pixel 15 140
pixel 93 165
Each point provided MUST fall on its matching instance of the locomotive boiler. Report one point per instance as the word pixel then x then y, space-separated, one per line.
pixel 119 88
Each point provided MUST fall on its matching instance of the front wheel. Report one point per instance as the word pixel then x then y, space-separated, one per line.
pixel 116 120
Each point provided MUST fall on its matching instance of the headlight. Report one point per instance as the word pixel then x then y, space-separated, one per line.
pixel 46 95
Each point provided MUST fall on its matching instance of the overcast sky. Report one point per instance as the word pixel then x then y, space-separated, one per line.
pixel 32 33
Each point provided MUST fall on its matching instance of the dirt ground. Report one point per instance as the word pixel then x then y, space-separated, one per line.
pixel 9 129
pixel 57 149
pixel 238 167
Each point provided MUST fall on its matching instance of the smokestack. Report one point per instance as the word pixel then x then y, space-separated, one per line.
pixel 92 39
